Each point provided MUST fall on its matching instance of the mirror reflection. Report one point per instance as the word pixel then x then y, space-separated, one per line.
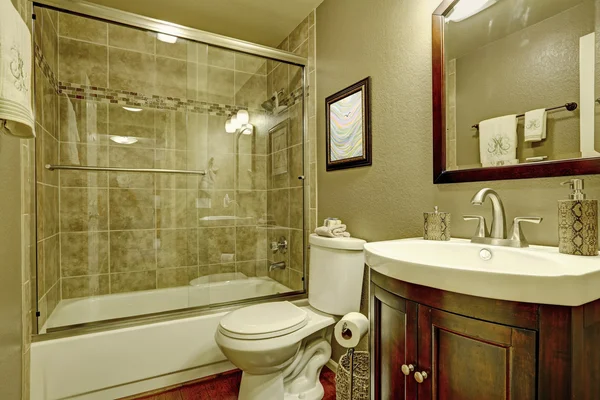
pixel 520 84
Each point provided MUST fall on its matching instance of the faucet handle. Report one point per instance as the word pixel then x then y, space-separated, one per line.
pixel 517 231
pixel 482 230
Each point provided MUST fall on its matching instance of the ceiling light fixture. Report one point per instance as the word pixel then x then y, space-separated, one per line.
pixel 467 8
pixel 163 37
pixel 124 139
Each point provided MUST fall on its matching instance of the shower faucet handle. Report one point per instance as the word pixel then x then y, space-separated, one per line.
pixel 280 245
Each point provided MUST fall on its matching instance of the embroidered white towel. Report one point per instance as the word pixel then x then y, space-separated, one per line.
pixel 16 115
pixel 535 125
pixel 498 141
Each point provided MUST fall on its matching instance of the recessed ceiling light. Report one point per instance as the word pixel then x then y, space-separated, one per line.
pixel 163 37
pixel 124 139
pixel 133 109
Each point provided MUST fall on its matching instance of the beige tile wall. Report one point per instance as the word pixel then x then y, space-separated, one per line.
pixel 285 190
pixel 123 232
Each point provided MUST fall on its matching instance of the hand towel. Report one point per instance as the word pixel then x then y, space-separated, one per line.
pixel 16 115
pixel 535 125
pixel 332 232
pixel 498 141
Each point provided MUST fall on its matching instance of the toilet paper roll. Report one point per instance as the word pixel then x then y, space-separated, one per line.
pixel 350 329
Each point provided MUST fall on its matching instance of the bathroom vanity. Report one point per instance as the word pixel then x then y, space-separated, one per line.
pixel 449 322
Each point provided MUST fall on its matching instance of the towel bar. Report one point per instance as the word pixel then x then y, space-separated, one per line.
pixel 50 167
pixel 569 106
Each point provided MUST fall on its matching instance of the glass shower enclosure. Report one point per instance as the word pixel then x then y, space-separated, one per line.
pixel 170 169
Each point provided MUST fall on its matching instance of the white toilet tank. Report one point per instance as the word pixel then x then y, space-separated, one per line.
pixel 336 269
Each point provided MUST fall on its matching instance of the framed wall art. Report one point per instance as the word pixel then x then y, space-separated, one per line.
pixel 348 127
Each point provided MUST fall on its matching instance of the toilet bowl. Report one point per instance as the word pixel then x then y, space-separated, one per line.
pixel 279 361
pixel 281 347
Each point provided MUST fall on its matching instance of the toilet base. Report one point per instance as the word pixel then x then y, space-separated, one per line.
pixel 300 380
pixel 254 387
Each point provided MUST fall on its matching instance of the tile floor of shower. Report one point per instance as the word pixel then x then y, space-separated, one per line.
pixel 225 387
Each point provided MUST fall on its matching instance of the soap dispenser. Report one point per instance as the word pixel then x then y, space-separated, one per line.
pixel 578 222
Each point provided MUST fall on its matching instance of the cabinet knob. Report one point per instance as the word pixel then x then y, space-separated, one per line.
pixel 407 369
pixel 420 376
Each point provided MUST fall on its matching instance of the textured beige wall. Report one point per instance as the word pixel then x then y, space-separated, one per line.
pixel 11 337
pixel 10 270
pixel 519 73
pixel 390 41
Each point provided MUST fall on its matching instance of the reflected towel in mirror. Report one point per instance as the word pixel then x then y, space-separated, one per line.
pixel 498 141
pixel 535 125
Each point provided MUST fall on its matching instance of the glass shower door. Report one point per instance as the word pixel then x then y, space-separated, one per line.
pixel 175 166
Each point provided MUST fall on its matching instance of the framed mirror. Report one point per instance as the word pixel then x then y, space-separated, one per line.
pixel 515 89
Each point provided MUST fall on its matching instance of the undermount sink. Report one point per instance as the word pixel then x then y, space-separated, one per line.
pixel 536 274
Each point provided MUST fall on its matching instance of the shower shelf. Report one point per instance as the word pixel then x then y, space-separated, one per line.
pixel 50 167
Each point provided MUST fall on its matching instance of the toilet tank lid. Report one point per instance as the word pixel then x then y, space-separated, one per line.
pixel 337 243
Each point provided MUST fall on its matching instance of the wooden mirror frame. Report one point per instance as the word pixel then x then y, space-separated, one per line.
pixel 584 166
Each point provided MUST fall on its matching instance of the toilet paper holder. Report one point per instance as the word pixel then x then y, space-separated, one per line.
pixel 346 333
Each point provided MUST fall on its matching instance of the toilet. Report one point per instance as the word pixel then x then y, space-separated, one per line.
pixel 281 347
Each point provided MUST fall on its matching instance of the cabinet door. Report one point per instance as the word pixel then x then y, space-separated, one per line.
pixel 470 359
pixel 393 344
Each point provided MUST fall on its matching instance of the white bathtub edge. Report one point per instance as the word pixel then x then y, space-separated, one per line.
pixel 133 360
pixel 158 382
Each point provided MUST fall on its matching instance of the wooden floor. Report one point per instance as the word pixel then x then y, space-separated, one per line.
pixel 226 387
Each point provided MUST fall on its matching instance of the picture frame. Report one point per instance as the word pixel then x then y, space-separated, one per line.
pixel 348 127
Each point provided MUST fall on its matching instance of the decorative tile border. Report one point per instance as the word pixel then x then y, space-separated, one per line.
pixel 41 62
pixel 133 99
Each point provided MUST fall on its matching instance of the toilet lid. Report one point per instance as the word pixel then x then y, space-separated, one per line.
pixel 263 321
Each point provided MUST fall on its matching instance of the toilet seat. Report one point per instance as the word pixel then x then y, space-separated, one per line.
pixel 263 321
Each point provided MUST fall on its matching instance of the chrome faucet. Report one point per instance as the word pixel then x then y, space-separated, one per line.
pixel 498 230
pixel 497 235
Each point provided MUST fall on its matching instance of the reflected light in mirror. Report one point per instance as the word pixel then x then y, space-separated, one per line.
pixel 166 38
pixel 124 139
pixel 132 109
pixel 247 129
pixel 467 8
pixel 243 117
pixel 229 128
pixel 235 123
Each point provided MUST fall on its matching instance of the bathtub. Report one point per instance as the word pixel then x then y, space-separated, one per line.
pixel 122 362
pixel 214 289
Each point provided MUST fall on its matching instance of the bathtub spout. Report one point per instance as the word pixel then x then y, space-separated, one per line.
pixel 277 265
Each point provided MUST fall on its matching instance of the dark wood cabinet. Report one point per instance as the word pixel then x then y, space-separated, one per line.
pixel 462 347
pixel 471 359
pixel 397 333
